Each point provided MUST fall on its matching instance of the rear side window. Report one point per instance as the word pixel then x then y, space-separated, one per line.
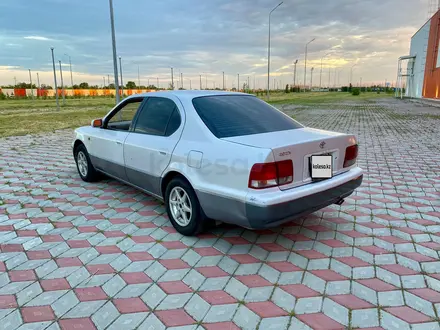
pixel 237 115
pixel 159 116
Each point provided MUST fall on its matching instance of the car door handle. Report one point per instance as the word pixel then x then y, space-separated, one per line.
pixel 163 153
pixel 119 142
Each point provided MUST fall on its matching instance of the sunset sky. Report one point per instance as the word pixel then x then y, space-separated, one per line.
pixel 206 37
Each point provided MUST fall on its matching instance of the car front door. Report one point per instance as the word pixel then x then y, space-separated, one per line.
pixel 107 146
pixel 149 146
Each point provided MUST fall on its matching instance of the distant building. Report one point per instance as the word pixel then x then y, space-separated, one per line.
pixel 419 72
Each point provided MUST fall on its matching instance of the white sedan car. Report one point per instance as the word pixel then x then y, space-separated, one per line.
pixel 222 156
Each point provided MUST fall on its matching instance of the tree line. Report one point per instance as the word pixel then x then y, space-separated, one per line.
pixel 83 85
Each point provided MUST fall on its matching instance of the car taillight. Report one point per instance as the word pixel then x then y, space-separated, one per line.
pixel 351 154
pixel 266 175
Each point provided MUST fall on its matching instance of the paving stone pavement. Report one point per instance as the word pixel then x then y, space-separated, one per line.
pixel 75 255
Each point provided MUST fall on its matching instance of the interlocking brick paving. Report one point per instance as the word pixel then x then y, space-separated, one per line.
pixel 75 255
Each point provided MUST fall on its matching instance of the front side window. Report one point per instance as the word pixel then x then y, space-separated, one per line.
pixel 159 116
pixel 238 115
pixel 122 118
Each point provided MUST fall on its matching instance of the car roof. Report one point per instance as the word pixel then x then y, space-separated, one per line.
pixel 188 94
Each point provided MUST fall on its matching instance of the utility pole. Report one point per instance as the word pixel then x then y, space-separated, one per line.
pixel 248 84
pixel 181 80
pixel 122 84
pixel 30 78
pixel 15 82
pixel 55 79
pixel 206 80
pixel 104 82
pixel 108 80
pixel 62 84
pixel 238 82
pixel 115 60
pixel 139 78
pixel 223 80
pixel 157 83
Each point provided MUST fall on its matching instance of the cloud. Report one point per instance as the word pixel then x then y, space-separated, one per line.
pixel 196 36
pixel 39 38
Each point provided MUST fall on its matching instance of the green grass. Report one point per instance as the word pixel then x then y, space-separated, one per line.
pixel 29 105
pixel 21 117
pixel 25 116
pixel 319 98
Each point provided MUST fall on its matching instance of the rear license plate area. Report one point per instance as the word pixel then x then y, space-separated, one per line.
pixel 321 167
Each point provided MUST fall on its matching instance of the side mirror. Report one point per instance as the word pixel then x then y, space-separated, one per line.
pixel 97 122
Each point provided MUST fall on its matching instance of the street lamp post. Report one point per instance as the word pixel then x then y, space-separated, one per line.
pixel 311 78
pixel 268 53
pixel 320 75
pixel 30 78
pixel 122 84
pixel 38 84
pixel 200 82
pixel 339 74
pixel 181 80
pixel 305 63
pixel 55 79
pixel 139 78
pixel 351 72
pixel 115 61
pixel 62 84
pixel 329 76
pixel 238 82
pixel 70 63
pixel 294 73
pixel 223 80
pixel 172 79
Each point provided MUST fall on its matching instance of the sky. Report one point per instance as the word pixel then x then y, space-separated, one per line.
pixel 207 37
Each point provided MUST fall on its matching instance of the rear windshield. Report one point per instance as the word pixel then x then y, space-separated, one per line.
pixel 238 115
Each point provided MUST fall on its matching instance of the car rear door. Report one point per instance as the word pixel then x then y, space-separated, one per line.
pixel 106 146
pixel 149 145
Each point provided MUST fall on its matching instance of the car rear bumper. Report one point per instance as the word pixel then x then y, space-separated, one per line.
pixel 261 217
pixel 274 208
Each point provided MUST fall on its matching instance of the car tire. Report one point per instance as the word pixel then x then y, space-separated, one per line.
pixel 185 214
pixel 84 166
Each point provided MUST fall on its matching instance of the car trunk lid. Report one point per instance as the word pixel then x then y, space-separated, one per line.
pixel 299 145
